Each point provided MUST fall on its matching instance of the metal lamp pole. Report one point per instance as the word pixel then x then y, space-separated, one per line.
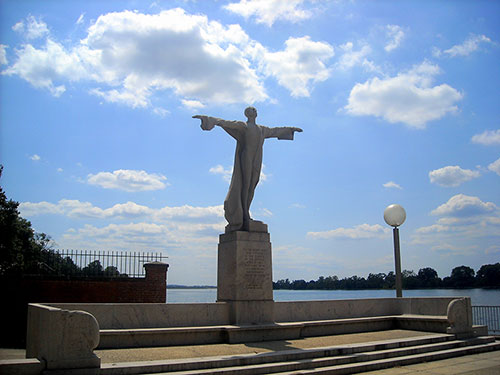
pixel 397 259
pixel 395 215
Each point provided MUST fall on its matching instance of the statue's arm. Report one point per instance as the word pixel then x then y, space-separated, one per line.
pixel 284 132
pixel 233 128
pixel 207 122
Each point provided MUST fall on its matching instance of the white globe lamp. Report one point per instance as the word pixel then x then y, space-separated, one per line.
pixel 394 215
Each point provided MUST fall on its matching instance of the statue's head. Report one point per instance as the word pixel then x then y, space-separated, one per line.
pixel 250 112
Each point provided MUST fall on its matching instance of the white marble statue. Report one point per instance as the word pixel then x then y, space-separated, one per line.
pixel 250 139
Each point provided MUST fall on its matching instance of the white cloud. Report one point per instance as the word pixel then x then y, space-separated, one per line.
pixel 41 67
pixel 487 138
pixel 359 231
pixel 121 54
pixel 459 229
pixel 263 212
pixel 351 58
pixel 129 210
pixel 32 28
pixel 408 98
pixel 435 228
pixel 162 112
pixel 191 239
pixel 186 231
pixel 121 59
pixel 35 157
pixel 436 52
pixel 269 11
pixel 3 54
pixel 193 104
pixel 299 65
pixel 461 206
pixel 125 47
pixel 31 209
pixel 495 166
pixel 452 176
pixel 396 35
pixel 128 180
pixel 80 19
pixel 454 249
pixel 463 220
pixel 471 44
pixel 18 27
pixel 392 184
pixel 59 170
pixel 188 211
pixel 137 98
pixel 227 173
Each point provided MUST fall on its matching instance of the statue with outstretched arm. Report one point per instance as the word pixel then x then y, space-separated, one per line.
pixel 250 139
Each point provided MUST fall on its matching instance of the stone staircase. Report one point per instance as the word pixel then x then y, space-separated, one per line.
pixel 342 359
pixel 232 334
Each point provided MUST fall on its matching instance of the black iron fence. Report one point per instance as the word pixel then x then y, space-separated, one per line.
pixel 84 263
pixel 487 315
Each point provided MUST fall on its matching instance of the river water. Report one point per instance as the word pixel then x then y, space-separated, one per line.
pixel 479 297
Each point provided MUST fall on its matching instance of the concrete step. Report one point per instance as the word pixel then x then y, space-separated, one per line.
pixel 344 364
pixel 358 367
pixel 302 360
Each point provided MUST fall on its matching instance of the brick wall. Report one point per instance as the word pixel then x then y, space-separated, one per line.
pixel 18 293
pixel 151 289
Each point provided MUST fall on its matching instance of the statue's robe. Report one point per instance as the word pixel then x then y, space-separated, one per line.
pixel 233 205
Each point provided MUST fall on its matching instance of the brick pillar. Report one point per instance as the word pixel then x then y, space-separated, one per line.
pixel 156 278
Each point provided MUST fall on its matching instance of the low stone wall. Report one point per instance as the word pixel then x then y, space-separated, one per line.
pixel 358 308
pixel 153 315
pixel 63 336
pixel 130 315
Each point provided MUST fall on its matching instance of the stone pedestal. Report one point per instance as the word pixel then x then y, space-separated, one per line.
pixel 244 276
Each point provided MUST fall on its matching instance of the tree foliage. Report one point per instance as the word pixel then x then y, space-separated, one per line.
pixel 20 247
pixel 26 252
pixel 488 276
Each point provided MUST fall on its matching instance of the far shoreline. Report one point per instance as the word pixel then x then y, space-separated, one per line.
pixel 434 288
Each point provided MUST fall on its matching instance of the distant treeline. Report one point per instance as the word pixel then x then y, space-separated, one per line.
pixel 488 276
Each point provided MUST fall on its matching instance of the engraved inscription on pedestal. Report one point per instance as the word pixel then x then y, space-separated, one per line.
pixel 254 268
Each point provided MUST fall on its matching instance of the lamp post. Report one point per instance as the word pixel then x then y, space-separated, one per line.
pixel 395 215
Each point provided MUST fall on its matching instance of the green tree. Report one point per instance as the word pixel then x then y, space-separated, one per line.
pixel 111 271
pixel 20 247
pixel 390 280
pixel 489 276
pixel 282 284
pixel 461 277
pixel 332 282
pixel 410 280
pixel 94 268
pixel 376 281
pixel 353 282
pixel 428 278
pixel 299 284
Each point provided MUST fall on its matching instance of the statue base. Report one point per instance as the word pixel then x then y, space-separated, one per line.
pixel 252 226
pixel 244 276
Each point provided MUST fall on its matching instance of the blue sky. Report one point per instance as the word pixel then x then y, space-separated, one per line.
pixel 398 102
